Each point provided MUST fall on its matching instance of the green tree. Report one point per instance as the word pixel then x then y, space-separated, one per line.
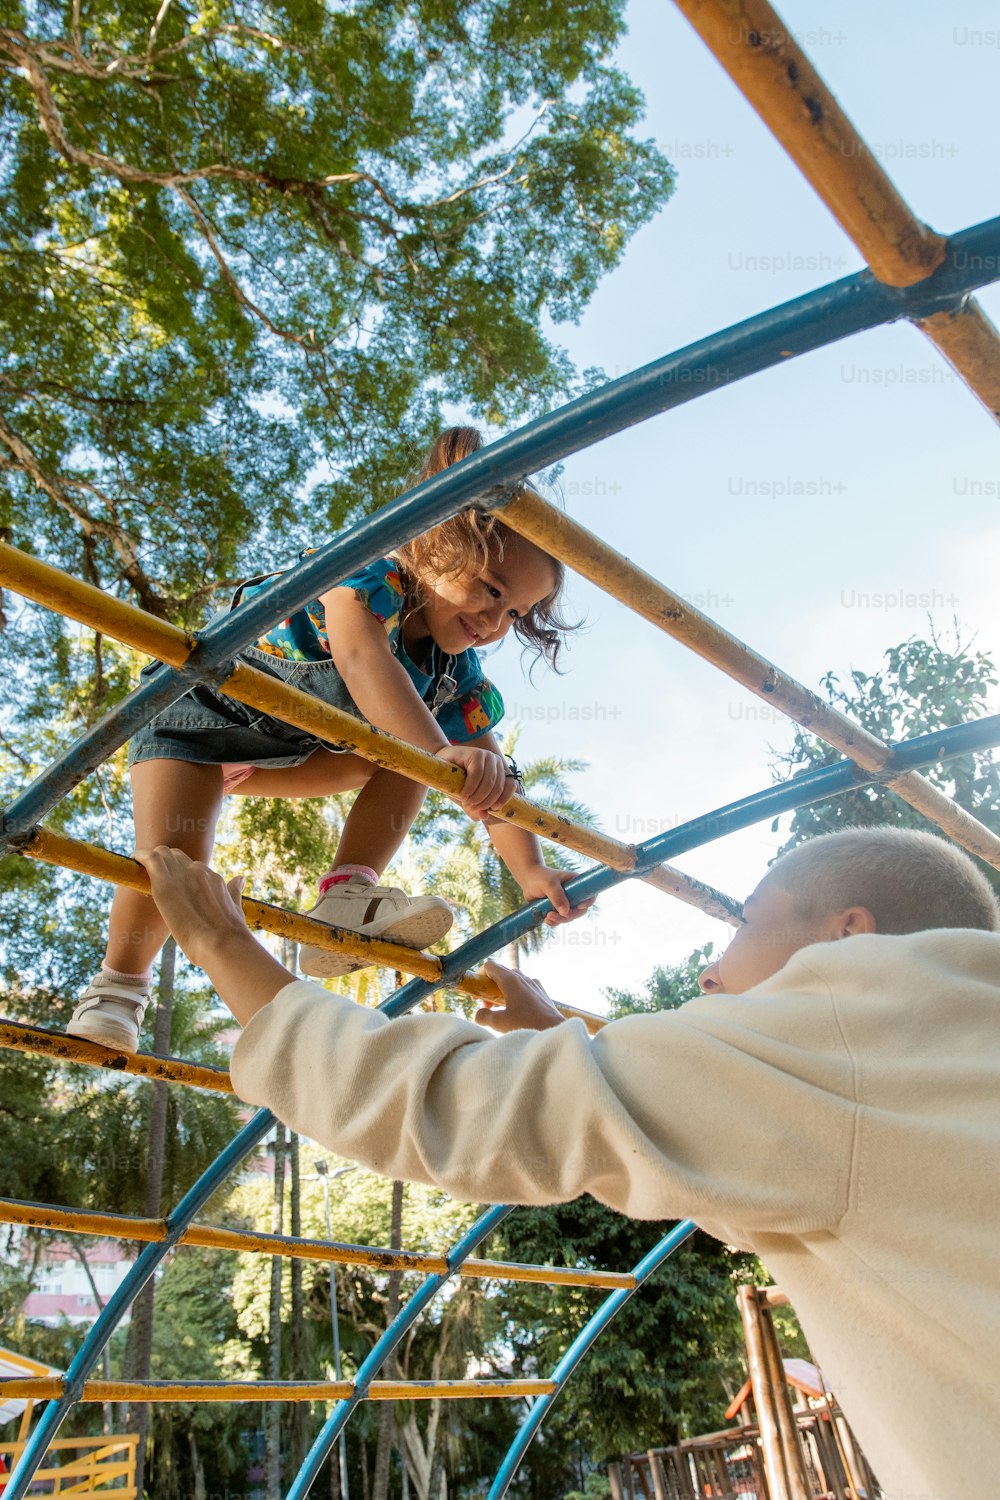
pixel 923 685
pixel 595 1487
pixel 668 987
pixel 251 254
pixel 669 1363
pixel 361 1213
pixel 459 862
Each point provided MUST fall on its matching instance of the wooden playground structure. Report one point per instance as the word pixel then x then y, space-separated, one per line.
pixel 84 1466
pixel 782 1450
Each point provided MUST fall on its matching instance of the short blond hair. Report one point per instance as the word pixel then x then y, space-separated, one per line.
pixel 908 880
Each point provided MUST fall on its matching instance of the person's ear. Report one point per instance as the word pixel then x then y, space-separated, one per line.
pixel 853 920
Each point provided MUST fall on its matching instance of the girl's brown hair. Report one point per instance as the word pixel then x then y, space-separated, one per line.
pixel 466 543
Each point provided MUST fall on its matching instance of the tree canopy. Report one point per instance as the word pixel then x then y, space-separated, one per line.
pixel 252 252
pixel 922 685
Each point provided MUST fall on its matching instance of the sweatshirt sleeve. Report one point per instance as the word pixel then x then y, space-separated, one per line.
pixel 735 1110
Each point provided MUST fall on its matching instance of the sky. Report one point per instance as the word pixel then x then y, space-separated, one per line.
pixel 822 511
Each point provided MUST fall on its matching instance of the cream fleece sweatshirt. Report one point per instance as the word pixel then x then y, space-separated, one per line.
pixel 841 1119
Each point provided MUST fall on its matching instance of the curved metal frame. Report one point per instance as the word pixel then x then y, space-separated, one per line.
pixel 380 1351
pixel 55 1412
pixel 588 1334
pixel 821 317
pixel 940 306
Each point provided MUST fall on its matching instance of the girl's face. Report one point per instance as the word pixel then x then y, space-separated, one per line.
pixel 478 609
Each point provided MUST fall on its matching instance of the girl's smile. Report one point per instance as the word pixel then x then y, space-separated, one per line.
pixel 479 609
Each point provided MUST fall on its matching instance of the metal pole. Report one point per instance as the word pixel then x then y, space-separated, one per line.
pixel 588 1334
pixel 326 1178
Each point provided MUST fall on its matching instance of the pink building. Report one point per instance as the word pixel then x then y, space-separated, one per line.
pixel 62 1287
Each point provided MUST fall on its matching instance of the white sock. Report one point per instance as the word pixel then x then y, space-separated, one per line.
pixel 120 978
pixel 345 873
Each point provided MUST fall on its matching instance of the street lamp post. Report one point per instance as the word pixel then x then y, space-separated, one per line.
pixel 327 1177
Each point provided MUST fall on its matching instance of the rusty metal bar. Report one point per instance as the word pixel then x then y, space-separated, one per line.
pixel 91 859
pixel 770 69
pixel 209 1236
pixel 15 1036
pixel 970 343
pixel 50 1387
pixel 588 555
pixel 754 45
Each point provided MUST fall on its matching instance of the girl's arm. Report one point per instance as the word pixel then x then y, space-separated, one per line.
pixel 386 697
pixel 376 681
pixel 521 852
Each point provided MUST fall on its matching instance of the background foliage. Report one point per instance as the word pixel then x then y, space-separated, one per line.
pixel 253 256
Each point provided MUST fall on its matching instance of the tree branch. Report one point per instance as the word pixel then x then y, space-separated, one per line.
pixel 123 545
pixel 17 46
pixel 305 341
pixel 161 16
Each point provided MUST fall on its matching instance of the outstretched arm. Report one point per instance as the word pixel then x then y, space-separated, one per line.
pixel 205 916
pixel 522 853
pixel 686 1113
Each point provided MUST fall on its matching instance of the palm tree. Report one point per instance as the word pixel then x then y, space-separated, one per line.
pixel 460 863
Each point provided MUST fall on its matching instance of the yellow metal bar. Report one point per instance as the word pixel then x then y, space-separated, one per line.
pixel 17 1037
pixel 82 601
pixel 151 1231
pixel 79 601
pixel 91 859
pixel 248 685
pixel 755 47
pixel 971 345
pixel 562 537
pixel 547 1275
pixel 38 1388
pixel 713 902
pixel 753 44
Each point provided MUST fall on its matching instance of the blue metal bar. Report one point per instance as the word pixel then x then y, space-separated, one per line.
pixel 93 747
pixel 405 1318
pixel 797 791
pixel 809 322
pixel 590 1331
pixel 55 1412
pixel 819 318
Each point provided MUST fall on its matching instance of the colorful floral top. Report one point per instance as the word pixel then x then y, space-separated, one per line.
pixel 454 688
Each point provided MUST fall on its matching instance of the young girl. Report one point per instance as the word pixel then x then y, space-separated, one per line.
pixel 395 645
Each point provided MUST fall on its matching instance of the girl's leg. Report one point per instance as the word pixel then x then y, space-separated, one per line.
pixel 379 821
pixel 175 802
pixel 383 810
pixel 377 824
